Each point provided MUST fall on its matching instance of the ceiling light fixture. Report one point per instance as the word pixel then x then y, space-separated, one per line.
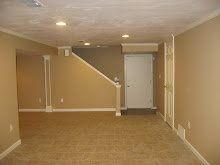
pixel 61 23
pixel 125 36
pixel 86 43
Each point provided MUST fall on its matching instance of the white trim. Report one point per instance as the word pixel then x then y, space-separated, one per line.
pixel 200 21
pixel 84 110
pixel 104 76
pixel 49 109
pixel 124 108
pixel 64 47
pixel 11 148
pixel 24 36
pixel 118 86
pixel 199 156
pixel 173 78
pixel 165 80
pixel 160 115
pixel 125 82
pixel 152 81
pixel 125 75
pixel 49 83
pixel 31 110
pixel 45 76
pixel 165 75
pixel 139 44
pixel 175 130
pixel 153 107
pixel 46 57
pixel 118 114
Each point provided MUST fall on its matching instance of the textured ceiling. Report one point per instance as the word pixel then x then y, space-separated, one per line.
pixel 102 22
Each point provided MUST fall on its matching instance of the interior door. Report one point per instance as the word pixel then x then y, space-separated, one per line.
pixel 169 82
pixel 138 81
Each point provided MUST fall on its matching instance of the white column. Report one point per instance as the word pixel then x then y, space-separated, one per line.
pixel 118 100
pixel 47 83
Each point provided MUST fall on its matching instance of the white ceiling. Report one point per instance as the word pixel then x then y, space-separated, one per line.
pixel 102 22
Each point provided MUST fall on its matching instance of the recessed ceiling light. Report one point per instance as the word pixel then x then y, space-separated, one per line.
pixel 125 36
pixel 87 43
pixel 61 23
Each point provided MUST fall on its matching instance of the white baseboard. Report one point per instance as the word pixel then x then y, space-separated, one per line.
pixel 153 107
pixel 49 109
pixel 161 115
pixel 31 110
pixel 118 114
pixel 11 148
pixel 84 110
pixel 199 156
pixel 124 108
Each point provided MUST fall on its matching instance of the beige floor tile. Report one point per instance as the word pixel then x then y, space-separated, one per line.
pixel 86 148
pixel 97 138
pixel 125 162
pixel 104 148
pixel 94 156
pixel 124 148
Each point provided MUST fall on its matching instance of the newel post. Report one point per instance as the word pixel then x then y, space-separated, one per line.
pixel 118 100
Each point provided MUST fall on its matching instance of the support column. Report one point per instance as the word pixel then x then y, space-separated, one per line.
pixel 118 100
pixel 47 83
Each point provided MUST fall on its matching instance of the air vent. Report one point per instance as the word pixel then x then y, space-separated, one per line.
pixel 33 3
pixel 181 132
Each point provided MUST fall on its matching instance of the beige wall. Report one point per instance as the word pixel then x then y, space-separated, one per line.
pixel 79 85
pixel 159 79
pixel 8 84
pixel 197 86
pixel 139 48
pixel 71 79
pixel 31 83
pixel 109 61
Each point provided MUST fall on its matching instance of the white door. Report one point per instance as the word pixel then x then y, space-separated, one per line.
pixel 169 82
pixel 138 81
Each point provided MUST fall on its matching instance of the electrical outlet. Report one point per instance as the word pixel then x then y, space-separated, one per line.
pixel 11 127
pixel 189 124
pixel 159 76
pixel 61 100
pixel 40 100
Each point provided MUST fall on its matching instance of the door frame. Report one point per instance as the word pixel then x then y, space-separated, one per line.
pixel 125 75
pixel 165 77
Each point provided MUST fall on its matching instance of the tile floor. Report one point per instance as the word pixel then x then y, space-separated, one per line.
pixel 97 138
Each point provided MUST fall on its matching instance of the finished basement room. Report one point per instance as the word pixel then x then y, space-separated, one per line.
pixel 121 82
